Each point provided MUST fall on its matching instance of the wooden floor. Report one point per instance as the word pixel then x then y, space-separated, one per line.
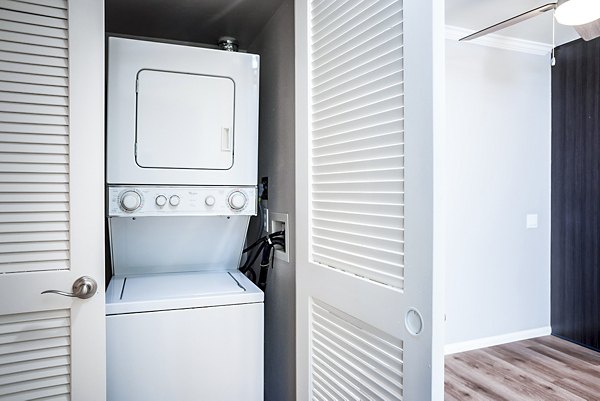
pixel 541 369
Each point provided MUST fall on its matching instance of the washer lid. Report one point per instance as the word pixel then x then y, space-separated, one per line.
pixel 154 292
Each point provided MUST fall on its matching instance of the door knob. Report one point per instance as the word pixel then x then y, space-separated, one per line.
pixel 84 287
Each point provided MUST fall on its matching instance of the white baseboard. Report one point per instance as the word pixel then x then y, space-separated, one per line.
pixel 496 340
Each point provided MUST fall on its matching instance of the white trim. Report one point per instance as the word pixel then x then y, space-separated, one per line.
pixel 302 117
pixel 500 41
pixel 470 345
pixel 424 126
pixel 86 196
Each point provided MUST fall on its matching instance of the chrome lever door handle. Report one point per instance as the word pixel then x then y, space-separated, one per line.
pixel 84 287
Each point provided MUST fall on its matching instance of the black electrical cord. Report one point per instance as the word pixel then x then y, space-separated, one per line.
pixel 251 275
pixel 261 245
pixel 265 262
pixel 265 247
pixel 263 239
pixel 252 258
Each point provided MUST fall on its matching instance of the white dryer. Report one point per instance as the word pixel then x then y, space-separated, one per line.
pixel 181 115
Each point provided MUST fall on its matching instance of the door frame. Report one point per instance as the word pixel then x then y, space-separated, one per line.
pixel 87 202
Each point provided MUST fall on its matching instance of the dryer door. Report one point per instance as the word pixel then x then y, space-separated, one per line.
pixel 184 121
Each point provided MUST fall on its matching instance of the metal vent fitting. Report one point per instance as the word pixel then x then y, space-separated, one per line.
pixel 228 43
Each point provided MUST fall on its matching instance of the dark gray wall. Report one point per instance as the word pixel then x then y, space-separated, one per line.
pixel 275 45
pixel 576 193
pixel 199 21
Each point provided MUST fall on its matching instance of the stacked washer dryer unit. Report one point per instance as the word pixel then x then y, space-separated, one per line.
pixel 182 322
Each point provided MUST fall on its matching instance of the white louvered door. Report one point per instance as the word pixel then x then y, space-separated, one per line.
pixel 369 90
pixel 51 199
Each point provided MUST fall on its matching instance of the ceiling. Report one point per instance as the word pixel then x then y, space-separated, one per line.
pixel 201 21
pixel 204 21
pixel 479 14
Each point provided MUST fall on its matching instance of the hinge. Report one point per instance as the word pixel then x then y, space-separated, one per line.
pixel 137 85
pixel 135 150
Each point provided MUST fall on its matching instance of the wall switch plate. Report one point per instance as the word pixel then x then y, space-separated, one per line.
pixel 532 221
pixel 279 222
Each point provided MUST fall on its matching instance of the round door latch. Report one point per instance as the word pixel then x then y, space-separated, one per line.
pixel 413 322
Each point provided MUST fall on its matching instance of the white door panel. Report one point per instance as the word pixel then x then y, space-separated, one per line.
pixel 51 199
pixel 218 336
pixel 349 345
pixel 368 103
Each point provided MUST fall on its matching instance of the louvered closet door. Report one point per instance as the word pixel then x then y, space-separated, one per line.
pixel 51 198
pixel 369 316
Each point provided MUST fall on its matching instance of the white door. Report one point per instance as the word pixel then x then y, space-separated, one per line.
pixel 184 121
pixel 51 199
pixel 369 87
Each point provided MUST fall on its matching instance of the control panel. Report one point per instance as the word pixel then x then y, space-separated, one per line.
pixel 181 201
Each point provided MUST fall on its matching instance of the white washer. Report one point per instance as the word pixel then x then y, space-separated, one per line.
pixel 185 337
pixel 182 322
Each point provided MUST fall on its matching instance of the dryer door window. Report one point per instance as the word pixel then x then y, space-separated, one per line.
pixel 184 121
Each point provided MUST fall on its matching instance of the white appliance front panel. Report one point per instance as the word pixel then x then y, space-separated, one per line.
pixel 184 121
pixel 190 201
pixel 126 59
pixel 168 244
pixel 213 353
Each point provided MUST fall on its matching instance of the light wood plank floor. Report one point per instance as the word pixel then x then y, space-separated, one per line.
pixel 541 369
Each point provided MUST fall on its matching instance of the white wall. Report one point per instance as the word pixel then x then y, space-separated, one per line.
pixel 498 171
pixel 275 44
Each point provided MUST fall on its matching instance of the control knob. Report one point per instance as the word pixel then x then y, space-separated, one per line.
pixel 161 200
pixel 130 201
pixel 237 200
pixel 210 200
pixel 174 200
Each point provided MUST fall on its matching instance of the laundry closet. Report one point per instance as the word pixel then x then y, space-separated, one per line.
pixel 199 113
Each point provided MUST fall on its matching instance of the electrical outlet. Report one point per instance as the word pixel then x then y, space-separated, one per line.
pixel 279 222
pixel 263 188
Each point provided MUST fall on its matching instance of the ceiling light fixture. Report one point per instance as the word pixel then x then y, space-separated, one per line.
pixel 583 15
pixel 577 12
